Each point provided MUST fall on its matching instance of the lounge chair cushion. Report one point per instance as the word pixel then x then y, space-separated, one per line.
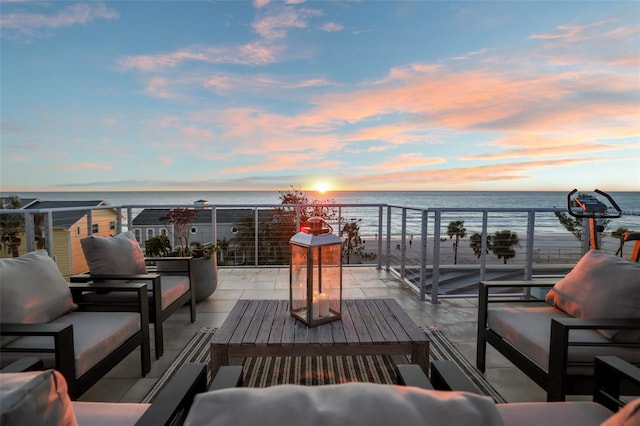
pixel 529 330
pixel 108 413
pixel 95 335
pixel 35 398
pixel 32 289
pixel 344 404
pixel 173 286
pixel 601 286
pixel 119 255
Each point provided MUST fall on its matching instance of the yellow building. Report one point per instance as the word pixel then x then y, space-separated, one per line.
pixel 69 227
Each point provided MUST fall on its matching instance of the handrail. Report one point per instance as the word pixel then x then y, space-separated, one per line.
pixel 390 231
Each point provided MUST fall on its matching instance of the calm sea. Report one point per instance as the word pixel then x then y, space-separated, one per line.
pixel 628 201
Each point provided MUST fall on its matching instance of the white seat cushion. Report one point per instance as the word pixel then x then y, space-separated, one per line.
pixel 108 413
pixel 529 330
pixel 583 413
pixel 95 335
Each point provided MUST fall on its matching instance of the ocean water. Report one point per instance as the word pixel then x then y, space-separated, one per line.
pixel 629 202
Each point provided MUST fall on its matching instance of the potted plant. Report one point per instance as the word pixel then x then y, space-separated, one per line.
pixel 204 265
pixel 204 269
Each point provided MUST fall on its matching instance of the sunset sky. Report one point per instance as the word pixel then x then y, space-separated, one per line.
pixel 359 95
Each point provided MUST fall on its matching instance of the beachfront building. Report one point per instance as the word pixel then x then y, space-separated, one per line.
pixel 69 227
pixel 148 224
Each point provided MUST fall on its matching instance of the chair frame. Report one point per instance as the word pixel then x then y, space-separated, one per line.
pixel 157 315
pixel 169 407
pixel 554 379
pixel 63 336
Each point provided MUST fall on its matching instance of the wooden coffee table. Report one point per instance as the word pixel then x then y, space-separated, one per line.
pixel 368 327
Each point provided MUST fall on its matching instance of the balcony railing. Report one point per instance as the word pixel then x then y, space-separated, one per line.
pixel 411 242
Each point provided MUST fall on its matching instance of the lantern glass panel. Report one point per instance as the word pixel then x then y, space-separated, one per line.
pixel 298 277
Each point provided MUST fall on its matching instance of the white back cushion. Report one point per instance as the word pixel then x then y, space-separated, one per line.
pixel 601 286
pixel 366 404
pixel 32 289
pixel 119 255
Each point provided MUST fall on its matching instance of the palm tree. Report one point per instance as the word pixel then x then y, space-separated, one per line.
pixel 456 229
pixel 476 243
pixel 502 244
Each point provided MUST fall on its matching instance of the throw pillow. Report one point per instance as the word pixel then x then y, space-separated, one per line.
pixel 344 404
pixel 601 286
pixel 35 398
pixel 119 255
pixel 32 289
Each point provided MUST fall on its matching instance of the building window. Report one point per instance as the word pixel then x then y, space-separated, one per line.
pixel 149 233
pixel 95 228
pixel 163 231
pixel 194 230
pixel 136 233
pixel 112 225
pixel 78 231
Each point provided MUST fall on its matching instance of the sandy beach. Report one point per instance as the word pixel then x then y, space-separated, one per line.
pixel 554 248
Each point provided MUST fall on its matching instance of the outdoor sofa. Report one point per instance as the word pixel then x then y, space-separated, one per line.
pixel 413 402
pixel 594 310
pixel 44 316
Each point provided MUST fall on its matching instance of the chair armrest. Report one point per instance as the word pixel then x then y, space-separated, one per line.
pixel 63 348
pixel 446 375
pixel 228 376
pixel 24 364
pixel 176 397
pixel 611 374
pixel 413 375
pixel 141 290
pixel 559 341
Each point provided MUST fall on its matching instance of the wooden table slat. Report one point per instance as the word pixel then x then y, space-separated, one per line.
pixel 355 326
pixel 223 335
pixel 238 335
pixel 358 324
pixel 289 332
pixel 369 321
pixel 282 312
pixel 349 328
pixel 407 323
pixel 337 331
pixel 267 322
pixel 326 333
pixel 396 327
pixel 251 335
pixel 379 318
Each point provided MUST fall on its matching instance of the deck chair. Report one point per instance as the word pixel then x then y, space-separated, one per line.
pixel 120 259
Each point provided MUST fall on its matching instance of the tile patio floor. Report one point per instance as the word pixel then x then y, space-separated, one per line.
pixel 457 317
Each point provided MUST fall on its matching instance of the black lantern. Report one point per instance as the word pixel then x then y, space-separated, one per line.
pixel 315 274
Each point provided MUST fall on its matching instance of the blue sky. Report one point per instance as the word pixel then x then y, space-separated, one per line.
pixel 361 95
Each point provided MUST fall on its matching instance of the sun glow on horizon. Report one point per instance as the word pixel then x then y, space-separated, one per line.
pixel 322 186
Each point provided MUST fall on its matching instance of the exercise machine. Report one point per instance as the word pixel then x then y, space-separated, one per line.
pixel 586 206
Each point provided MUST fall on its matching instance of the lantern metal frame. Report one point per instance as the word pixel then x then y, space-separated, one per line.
pixel 316 237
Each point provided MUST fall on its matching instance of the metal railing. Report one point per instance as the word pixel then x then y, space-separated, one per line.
pixel 411 242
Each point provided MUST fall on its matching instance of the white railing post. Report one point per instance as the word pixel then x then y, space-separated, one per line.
pixel 423 255
pixel 435 282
